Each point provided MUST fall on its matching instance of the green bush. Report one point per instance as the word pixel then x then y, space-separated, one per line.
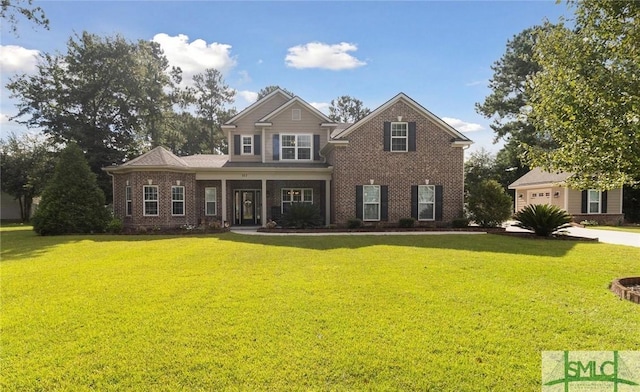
pixel 354 223
pixel 72 202
pixel 488 204
pixel 542 219
pixel 406 223
pixel 460 223
pixel 114 226
pixel 301 216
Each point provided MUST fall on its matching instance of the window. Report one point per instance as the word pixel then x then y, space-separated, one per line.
pixel 371 202
pixel 296 114
pixel 177 200
pixel 150 200
pixel 594 201
pixel 247 145
pixel 128 201
pixel 426 202
pixel 295 147
pixel 399 136
pixel 290 196
pixel 210 201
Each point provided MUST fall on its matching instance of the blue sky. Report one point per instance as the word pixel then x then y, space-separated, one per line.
pixel 437 52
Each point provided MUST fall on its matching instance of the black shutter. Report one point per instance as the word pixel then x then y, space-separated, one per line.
pixel 414 202
pixel 387 136
pixel 584 202
pixel 236 144
pixel 257 145
pixel 439 202
pixel 276 147
pixel 384 202
pixel 359 201
pixel 316 147
pixel 412 136
pixel 603 202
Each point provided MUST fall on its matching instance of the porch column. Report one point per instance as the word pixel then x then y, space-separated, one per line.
pixel 223 205
pixel 327 202
pixel 263 209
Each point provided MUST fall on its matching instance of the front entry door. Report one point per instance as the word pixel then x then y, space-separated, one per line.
pixel 247 207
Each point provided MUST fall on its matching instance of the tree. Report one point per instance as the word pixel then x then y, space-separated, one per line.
pixel 106 94
pixel 479 167
pixel 346 109
pixel 586 98
pixel 10 9
pixel 269 89
pixel 72 202
pixel 211 93
pixel 26 164
pixel 488 204
pixel 508 102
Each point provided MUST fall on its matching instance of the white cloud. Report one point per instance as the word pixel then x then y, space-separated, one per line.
pixel 244 77
pixel 193 58
pixel 462 126
pixel 4 118
pixel 321 106
pixel 321 55
pixel 248 96
pixel 17 59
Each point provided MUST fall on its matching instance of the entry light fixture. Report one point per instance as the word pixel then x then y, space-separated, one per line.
pixel 371 181
pixel 426 182
pixel 149 181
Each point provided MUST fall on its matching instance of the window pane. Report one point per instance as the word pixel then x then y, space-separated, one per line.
pixel 371 212
pixel 426 194
pixel 288 140
pixel 304 140
pixel 425 211
pixel 594 195
pixel 594 207
pixel 304 153
pixel 210 194
pixel 151 208
pixel 210 208
pixel 308 195
pixel 177 193
pixel 371 193
pixel 150 193
pixel 177 208
pixel 398 129
pixel 289 153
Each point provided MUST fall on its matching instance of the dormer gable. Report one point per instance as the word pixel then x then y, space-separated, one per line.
pixel 259 109
pixel 292 105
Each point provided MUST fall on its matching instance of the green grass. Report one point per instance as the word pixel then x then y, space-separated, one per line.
pixel 238 312
pixel 628 229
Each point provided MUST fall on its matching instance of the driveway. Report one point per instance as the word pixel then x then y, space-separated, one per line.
pixel 606 236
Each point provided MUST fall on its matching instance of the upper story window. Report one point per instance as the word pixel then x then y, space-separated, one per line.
pixel 399 136
pixel 247 145
pixel 371 202
pixel 150 200
pixel 177 200
pixel 296 147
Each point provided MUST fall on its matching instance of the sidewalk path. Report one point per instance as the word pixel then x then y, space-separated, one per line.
pixel 606 236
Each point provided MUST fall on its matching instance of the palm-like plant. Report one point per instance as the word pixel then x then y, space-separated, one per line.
pixel 542 219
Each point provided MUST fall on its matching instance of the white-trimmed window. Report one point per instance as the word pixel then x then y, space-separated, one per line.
pixel 210 201
pixel 150 200
pixel 296 147
pixel 128 201
pixel 371 202
pixel 399 136
pixel 246 145
pixel 426 202
pixel 177 200
pixel 594 198
pixel 290 196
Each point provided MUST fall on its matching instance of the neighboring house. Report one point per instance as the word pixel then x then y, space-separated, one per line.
pixel 540 187
pixel 399 161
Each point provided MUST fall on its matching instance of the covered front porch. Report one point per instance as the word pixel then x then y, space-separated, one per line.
pixel 252 198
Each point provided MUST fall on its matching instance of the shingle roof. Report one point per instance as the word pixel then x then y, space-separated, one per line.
pixel 159 156
pixel 206 160
pixel 537 176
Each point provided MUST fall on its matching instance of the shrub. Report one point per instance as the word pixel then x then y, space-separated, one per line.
pixel 72 202
pixel 302 216
pixel 354 223
pixel 460 223
pixel 542 219
pixel 406 223
pixel 114 226
pixel 488 204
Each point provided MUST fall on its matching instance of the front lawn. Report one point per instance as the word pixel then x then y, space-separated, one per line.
pixel 239 312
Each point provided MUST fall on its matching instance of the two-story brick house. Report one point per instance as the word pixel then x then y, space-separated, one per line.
pixel 399 161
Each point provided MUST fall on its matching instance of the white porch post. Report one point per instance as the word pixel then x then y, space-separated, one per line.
pixel 223 205
pixel 263 209
pixel 327 202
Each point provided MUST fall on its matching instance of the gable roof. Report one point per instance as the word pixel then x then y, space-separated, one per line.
pixel 537 176
pixel 416 106
pixel 287 104
pixel 256 104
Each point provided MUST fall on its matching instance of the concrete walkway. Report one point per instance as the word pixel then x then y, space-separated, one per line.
pixel 605 236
